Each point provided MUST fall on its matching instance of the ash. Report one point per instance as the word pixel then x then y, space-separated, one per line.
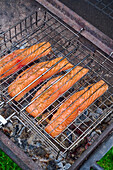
pixel 30 143
pixel 12 11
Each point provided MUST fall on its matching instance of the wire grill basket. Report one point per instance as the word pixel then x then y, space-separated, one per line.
pixel 42 26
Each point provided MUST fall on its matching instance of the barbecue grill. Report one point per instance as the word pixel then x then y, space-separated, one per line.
pixel 66 43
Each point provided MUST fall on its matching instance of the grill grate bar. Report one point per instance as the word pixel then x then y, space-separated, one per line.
pixel 37 78
pixel 30 34
pixel 50 85
pixel 70 106
pixel 76 108
pixel 66 98
pixel 105 7
pixel 17 34
pixel 54 92
pixel 35 50
pixel 26 57
pixel 23 51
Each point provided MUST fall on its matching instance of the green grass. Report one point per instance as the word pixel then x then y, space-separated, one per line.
pixel 107 161
pixel 6 163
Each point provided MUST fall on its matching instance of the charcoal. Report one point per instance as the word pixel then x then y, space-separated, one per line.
pixel 31 147
pixel 67 166
pixel 40 151
pixel 8 112
pixel 38 144
pixel 51 165
pixel 24 142
pixel 58 160
pixel 10 126
pixel 51 156
pixel 19 141
pixel 93 134
pixel 60 165
pixel 94 116
pixel 86 112
pixel 30 140
pixel 16 129
pixel 99 110
pixel 7 131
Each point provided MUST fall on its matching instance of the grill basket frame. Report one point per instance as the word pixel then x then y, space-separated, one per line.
pixel 37 22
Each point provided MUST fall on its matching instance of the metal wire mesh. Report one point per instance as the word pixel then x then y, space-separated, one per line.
pixel 42 26
pixel 105 6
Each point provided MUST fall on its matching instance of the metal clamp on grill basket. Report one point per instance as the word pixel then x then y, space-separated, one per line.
pixel 52 82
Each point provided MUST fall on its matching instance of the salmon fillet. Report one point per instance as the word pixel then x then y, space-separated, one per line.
pixel 29 75
pixel 8 63
pixel 66 113
pixel 51 94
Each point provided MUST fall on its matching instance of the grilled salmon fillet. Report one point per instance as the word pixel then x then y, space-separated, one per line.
pixel 51 94
pixel 71 108
pixel 30 74
pixel 14 61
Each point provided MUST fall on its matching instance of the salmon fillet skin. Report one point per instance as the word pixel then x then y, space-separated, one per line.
pixel 13 62
pixel 30 74
pixel 57 89
pixel 71 108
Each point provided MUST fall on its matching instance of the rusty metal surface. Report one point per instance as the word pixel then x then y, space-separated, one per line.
pixel 93 15
pixel 16 154
pixel 76 22
pixel 92 148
